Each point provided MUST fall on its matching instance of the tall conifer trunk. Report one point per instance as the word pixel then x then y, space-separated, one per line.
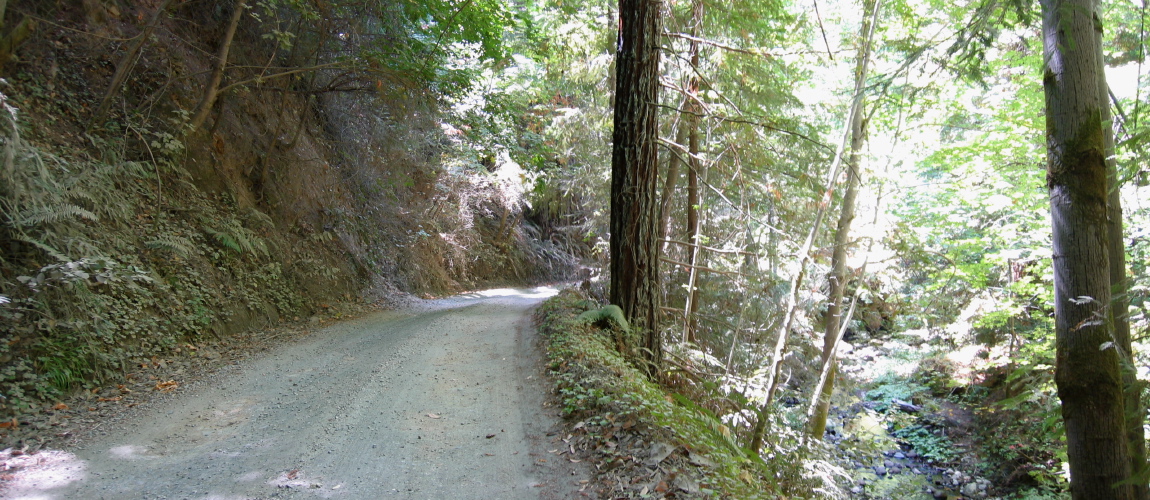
pixel 694 230
pixel 1087 370
pixel 635 174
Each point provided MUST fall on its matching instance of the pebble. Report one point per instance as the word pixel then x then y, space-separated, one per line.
pixel 899 454
pixel 880 470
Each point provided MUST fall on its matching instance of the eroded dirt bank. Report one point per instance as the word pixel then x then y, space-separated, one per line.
pixel 443 401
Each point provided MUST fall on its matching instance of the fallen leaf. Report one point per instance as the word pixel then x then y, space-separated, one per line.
pixel 60 406
pixel 489 454
pixel 90 408
pixel 661 487
pixel 489 436
pixel 168 386
pixel 117 398
pixel 11 423
pixel 643 491
pixel 432 415
pixel 574 460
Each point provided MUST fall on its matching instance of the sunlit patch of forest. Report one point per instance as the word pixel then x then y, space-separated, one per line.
pixel 846 240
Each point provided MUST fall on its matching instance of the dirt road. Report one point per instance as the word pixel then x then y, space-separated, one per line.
pixel 442 402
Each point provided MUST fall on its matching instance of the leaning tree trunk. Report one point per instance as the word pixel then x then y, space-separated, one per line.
pixel 1087 362
pixel 838 274
pixel 635 174
pixel 212 90
pixel 16 37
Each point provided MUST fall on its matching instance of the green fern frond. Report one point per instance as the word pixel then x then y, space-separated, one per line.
pixel 610 313
pixel 225 239
pixel 261 217
pixel 720 433
pixel 48 249
pixel 178 245
pixel 51 213
pixel 137 169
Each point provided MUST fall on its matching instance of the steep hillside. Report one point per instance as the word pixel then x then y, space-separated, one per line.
pixel 128 230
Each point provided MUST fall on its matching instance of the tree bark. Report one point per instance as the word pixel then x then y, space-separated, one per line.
pixel 1087 362
pixel 635 227
pixel 837 278
pixel 212 90
pixel 1120 288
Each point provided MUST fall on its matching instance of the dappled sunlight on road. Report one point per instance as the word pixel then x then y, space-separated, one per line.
pixel 40 475
pixel 540 292
pixel 514 294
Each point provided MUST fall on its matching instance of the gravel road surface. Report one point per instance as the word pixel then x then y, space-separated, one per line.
pixel 444 401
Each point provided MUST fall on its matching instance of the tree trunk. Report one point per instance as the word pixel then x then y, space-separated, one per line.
pixel 1120 289
pixel 837 277
pixel 1087 363
pixel 127 62
pixel 669 186
pixel 693 200
pixel 16 37
pixel 635 175
pixel 212 90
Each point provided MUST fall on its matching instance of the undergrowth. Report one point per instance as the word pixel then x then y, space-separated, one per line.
pixel 107 263
pixel 598 385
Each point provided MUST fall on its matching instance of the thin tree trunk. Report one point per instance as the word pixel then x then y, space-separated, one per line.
pixel 792 304
pixel 1087 362
pixel 16 37
pixel 635 175
pixel 212 90
pixel 837 277
pixel 672 179
pixel 127 62
pixel 693 200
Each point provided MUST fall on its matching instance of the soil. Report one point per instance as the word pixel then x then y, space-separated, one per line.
pixel 445 398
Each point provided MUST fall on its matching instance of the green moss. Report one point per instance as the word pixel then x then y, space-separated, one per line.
pixel 599 385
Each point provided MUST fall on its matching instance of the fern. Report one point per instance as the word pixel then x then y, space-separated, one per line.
pixel 48 249
pixel 610 313
pixel 708 421
pixel 237 238
pixel 225 239
pixel 178 245
pixel 50 214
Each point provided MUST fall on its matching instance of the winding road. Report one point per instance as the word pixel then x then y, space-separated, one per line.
pixel 445 401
